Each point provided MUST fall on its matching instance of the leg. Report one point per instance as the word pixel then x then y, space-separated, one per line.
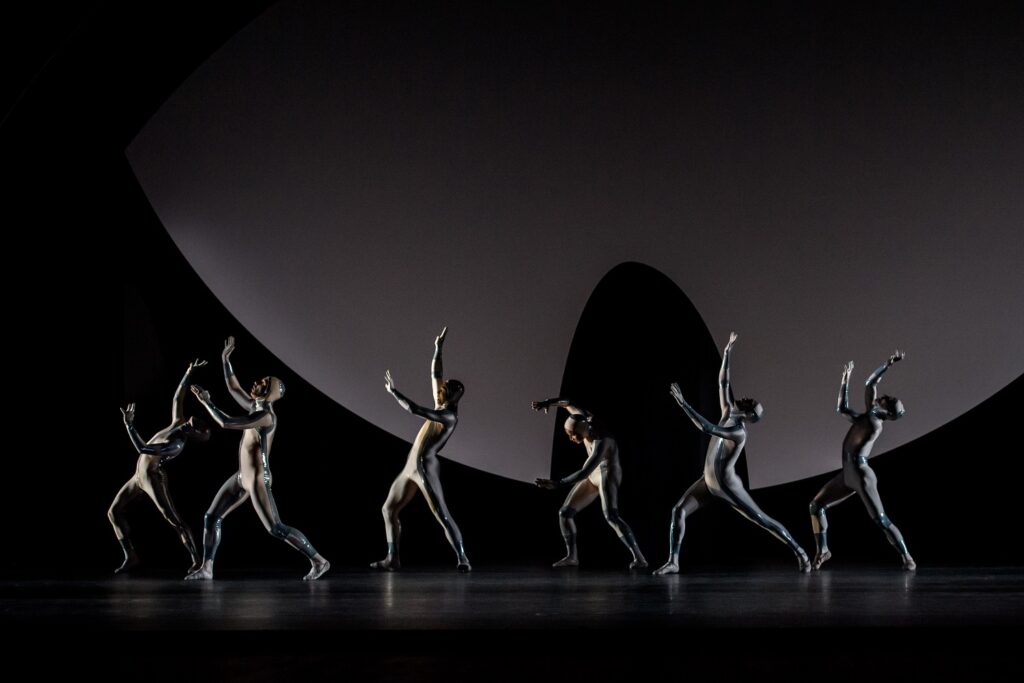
pixel 610 507
pixel 868 492
pixel 229 497
pixel 430 482
pixel 266 509
pixel 582 494
pixel 161 497
pixel 696 497
pixel 833 492
pixel 115 514
pixel 742 502
pixel 403 489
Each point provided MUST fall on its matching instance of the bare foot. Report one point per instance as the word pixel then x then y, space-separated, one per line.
pixel 667 568
pixel 821 558
pixel 130 561
pixel 908 564
pixel 388 564
pixel 320 567
pixel 567 561
pixel 638 563
pixel 463 566
pixel 204 573
pixel 804 562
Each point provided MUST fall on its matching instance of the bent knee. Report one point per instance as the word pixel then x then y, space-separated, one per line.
pixel 882 521
pixel 611 515
pixel 816 508
pixel 566 512
pixel 279 530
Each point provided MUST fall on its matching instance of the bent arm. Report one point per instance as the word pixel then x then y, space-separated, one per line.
pixel 870 385
pixel 562 403
pixel 243 399
pixel 588 467
pixel 443 416
pixel 143 448
pixel 261 418
pixel 704 424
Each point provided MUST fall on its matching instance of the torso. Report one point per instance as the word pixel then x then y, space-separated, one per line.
pixel 430 440
pixel 254 452
pixel 609 465
pixel 720 462
pixel 860 439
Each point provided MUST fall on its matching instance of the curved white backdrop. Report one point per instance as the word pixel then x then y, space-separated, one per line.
pixel 345 200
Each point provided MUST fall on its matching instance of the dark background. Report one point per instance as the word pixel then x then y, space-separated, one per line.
pixel 106 311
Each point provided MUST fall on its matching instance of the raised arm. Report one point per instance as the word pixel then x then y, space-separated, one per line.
pixel 261 418
pixel 870 386
pixel 725 397
pixel 561 403
pixel 843 405
pixel 444 416
pixel 178 407
pixel 436 369
pixel 141 446
pixel 234 387
pixel 702 423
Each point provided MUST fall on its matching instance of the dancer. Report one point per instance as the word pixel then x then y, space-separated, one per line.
pixel 720 479
pixel 601 475
pixel 253 478
pixel 150 477
pixel 422 469
pixel 857 476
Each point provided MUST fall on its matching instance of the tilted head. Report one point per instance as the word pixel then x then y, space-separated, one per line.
pixel 195 428
pixel 578 428
pixel 889 408
pixel 267 389
pixel 450 392
pixel 752 410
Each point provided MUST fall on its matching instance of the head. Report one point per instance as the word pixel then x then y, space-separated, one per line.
pixel 267 389
pixel 450 392
pixel 195 428
pixel 578 428
pixel 889 408
pixel 751 410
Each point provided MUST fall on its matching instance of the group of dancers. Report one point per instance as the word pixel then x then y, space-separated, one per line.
pixel 599 477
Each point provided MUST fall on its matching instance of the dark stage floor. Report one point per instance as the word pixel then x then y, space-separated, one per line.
pixel 427 624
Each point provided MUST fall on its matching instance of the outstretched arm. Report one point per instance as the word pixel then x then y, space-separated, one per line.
pixel 234 386
pixel 702 423
pixel 141 446
pixel 443 416
pixel 561 403
pixel 843 406
pixel 261 418
pixel 178 408
pixel 870 388
pixel 725 397
pixel 436 370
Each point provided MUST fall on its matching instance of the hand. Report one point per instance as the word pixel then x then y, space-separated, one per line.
pixel 195 364
pixel 229 346
pixel 202 394
pixel 677 394
pixel 541 405
pixel 732 340
pixel 848 370
pixel 389 383
pixel 128 414
pixel 439 340
pixel 548 484
pixel 896 357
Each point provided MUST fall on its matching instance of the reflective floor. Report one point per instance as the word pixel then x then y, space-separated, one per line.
pixel 510 624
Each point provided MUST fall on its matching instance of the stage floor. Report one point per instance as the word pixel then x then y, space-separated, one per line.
pixel 505 622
